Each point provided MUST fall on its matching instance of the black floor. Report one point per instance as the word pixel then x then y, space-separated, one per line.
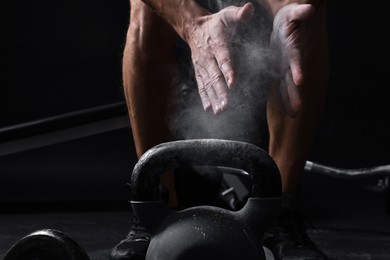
pixel 349 218
pixel 346 218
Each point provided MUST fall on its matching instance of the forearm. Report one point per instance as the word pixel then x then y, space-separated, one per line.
pixel 180 14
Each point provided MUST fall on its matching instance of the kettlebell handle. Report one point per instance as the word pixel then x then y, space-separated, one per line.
pixel 261 168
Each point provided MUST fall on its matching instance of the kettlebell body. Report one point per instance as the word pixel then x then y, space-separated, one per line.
pixel 206 232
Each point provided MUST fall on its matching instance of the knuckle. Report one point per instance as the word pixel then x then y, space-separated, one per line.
pixel 208 85
pixel 214 99
pixel 221 93
pixel 202 91
pixel 224 63
pixel 216 77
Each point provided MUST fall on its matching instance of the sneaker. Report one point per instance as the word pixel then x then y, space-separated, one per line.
pixel 134 246
pixel 192 189
pixel 287 238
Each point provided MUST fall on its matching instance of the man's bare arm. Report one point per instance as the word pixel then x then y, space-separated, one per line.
pixel 209 37
pixel 180 14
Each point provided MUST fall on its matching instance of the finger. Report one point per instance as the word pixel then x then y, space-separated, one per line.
pixel 302 12
pixel 294 97
pixel 219 85
pixel 210 80
pixel 296 61
pixel 202 91
pixel 245 12
pixel 225 64
pixel 237 14
pixel 232 16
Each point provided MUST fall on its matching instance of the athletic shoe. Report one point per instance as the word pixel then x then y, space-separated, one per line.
pixel 134 246
pixel 287 238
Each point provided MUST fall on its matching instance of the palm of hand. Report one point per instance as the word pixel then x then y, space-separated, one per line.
pixel 289 41
pixel 211 53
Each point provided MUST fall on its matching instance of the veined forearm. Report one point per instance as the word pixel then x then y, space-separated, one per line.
pixel 180 14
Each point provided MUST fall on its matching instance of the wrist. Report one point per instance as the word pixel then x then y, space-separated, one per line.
pixel 182 15
pixel 189 19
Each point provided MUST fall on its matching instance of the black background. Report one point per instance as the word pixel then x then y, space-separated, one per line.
pixel 62 56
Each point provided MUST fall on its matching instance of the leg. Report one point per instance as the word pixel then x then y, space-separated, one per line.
pixel 291 138
pixel 148 73
pixel 148 77
pixel 289 145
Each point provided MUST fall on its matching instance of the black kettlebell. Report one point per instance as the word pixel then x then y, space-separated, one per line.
pixel 46 244
pixel 206 232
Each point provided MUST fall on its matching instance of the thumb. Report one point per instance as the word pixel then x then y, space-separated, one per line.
pixel 238 14
pixel 245 12
pixel 302 12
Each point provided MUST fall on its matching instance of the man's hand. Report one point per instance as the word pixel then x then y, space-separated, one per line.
pixel 210 43
pixel 290 40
